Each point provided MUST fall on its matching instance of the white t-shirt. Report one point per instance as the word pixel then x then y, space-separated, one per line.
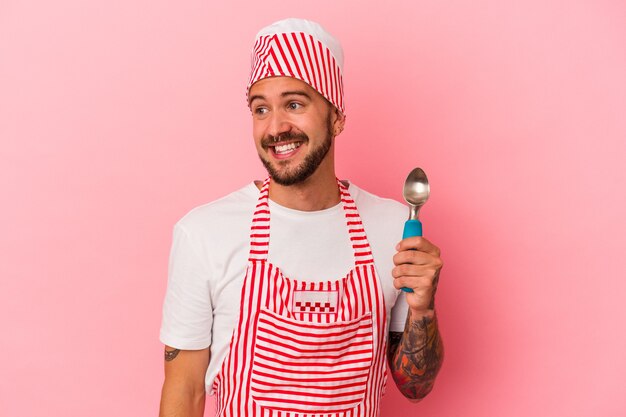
pixel 209 256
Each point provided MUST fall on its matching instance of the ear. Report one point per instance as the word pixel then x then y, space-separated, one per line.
pixel 339 122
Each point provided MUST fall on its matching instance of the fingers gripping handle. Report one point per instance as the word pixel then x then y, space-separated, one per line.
pixel 412 228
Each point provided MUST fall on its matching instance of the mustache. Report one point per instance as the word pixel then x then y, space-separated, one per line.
pixel 271 139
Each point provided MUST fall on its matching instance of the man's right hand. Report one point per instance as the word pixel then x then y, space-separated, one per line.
pixel 183 391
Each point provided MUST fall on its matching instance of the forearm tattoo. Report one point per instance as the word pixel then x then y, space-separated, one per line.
pixel 171 355
pixel 415 357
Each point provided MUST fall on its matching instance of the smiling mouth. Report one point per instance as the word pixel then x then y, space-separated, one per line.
pixel 286 148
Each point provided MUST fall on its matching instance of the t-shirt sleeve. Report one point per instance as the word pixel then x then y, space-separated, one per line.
pixel 398 314
pixel 187 308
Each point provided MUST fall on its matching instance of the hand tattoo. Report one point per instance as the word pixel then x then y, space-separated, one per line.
pixel 415 357
pixel 171 355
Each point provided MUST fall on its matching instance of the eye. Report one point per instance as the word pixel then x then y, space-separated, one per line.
pixel 294 105
pixel 260 111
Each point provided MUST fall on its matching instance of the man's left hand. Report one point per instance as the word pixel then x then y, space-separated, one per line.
pixel 417 266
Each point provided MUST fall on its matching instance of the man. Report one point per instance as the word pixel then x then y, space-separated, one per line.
pixel 301 325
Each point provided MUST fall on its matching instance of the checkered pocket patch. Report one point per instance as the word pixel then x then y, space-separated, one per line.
pixel 317 302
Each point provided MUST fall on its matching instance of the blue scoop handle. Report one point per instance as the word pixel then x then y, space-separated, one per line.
pixel 412 227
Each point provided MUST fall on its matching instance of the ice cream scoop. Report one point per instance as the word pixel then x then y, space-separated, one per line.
pixel 416 191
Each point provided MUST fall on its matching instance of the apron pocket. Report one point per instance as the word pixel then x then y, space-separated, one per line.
pixel 312 368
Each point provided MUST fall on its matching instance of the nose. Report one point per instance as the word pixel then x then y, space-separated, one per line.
pixel 278 124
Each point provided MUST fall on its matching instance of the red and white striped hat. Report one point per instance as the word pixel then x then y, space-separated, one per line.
pixel 300 49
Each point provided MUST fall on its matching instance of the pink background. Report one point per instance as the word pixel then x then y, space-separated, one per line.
pixel 116 117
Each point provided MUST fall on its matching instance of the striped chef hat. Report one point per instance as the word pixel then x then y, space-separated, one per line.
pixel 300 49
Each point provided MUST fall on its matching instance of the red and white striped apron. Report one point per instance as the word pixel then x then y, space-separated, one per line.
pixel 305 348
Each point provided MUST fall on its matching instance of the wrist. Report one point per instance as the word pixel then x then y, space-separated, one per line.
pixel 421 314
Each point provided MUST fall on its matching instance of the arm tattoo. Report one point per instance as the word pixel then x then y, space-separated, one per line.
pixel 171 355
pixel 415 357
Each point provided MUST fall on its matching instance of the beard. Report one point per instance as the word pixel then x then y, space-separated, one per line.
pixel 298 174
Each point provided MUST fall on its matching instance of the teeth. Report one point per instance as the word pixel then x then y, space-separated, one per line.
pixel 282 149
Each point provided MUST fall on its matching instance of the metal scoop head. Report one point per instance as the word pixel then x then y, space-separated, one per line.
pixel 416 191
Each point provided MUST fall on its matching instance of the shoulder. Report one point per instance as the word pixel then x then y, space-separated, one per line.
pixel 221 214
pixel 372 205
pixel 383 219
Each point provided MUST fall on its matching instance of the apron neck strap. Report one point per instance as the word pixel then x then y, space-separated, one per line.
pixel 358 238
pixel 260 229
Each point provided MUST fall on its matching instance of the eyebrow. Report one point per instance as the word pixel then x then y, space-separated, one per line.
pixel 255 97
pixel 284 94
pixel 296 93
